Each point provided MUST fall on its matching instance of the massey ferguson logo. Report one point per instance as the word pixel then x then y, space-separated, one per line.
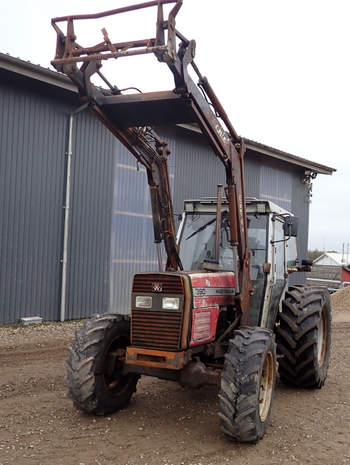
pixel 157 287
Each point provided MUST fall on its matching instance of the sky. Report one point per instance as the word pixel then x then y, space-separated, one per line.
pixel 281 68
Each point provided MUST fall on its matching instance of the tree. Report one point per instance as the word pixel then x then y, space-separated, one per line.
pixel 313 254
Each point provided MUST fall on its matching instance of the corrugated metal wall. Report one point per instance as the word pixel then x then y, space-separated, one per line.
pixel 132 239
pixel 32 145
pixel 111 234
pixel 33 140
pixel 91 213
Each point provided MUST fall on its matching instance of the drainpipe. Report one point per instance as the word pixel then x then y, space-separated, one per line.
pixel 67 210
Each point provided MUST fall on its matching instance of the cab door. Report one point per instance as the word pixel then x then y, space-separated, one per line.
pixel 276 281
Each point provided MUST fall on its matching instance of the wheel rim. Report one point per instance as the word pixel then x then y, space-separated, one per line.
pixel 321 338
pixel 113 376
pixel 266 386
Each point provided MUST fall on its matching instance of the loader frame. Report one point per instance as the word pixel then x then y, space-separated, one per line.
pixel 188 102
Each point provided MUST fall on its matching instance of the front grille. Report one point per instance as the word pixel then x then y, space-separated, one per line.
pixel 171 283
pixel 157 329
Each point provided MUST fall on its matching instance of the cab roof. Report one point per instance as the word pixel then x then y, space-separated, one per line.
pixel 253 205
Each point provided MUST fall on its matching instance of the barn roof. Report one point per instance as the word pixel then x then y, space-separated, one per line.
pixel 338 258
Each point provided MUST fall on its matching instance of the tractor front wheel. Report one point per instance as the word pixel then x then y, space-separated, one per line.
pixel 95 379
pixel 247 384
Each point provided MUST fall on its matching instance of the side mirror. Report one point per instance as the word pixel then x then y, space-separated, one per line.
pixel 290 226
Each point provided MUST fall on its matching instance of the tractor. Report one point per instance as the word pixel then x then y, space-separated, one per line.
pixel 220 311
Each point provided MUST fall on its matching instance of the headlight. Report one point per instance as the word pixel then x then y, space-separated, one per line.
pixel 171 303
pixel 143 301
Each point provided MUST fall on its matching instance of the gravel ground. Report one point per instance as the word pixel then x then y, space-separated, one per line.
pixel 341 299
pixel 14 336
pixel 164 423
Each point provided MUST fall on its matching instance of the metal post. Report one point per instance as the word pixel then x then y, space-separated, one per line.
pixel 218 223
pixel 67 211
pixel 159 254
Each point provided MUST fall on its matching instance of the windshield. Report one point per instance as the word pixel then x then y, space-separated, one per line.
pixel 197 242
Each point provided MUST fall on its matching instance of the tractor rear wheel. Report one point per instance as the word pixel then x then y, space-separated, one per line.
pixel 304 337
pixel 247 384
pixel 95 378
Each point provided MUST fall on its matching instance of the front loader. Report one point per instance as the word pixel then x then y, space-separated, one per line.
pixel 217 311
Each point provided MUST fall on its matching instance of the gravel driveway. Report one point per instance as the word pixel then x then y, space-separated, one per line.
pixel 164 423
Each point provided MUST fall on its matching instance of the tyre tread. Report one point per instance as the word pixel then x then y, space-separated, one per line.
pixel 296 336
pixel 82 368
pixel 240 383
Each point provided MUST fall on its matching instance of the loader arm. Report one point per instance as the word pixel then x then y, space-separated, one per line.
pixel 152 153
pixel 129 117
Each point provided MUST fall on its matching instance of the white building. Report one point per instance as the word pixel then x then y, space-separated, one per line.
pixel 333 259
pixel 331 269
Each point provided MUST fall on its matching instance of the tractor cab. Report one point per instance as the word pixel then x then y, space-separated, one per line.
pixel 271 239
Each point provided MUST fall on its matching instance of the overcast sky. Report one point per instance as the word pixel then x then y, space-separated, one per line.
pixel 280 67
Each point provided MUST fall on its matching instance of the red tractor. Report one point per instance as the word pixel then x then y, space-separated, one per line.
pixel 222 305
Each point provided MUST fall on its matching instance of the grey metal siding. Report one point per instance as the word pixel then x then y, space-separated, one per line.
pixel 132 240
pixel 33 140
pixel 301 209
pixel 111 234
pixel 276 185
pixel 252 176
pixel 32 144
pixel 197 169
pixel 91 211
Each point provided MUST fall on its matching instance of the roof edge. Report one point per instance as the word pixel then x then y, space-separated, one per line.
pixel 331 256
pixel 275 153
pixel 285 156
pixel 27 69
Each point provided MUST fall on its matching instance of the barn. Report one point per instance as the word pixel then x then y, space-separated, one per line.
pixel 75 213
pixel 331 269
